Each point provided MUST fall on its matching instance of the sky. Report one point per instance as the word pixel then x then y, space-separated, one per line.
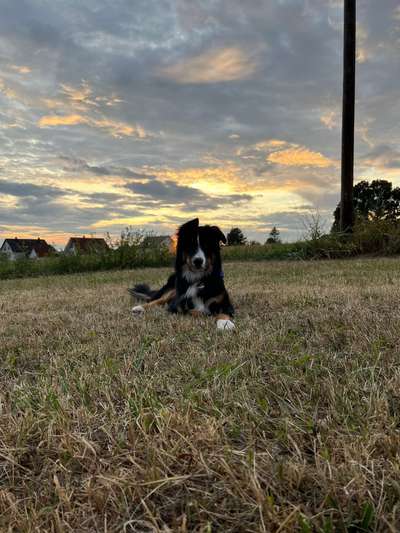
pixel 147 113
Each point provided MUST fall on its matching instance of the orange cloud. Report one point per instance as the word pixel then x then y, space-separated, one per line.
pixel 120 129
pixel 114 128
pixel 66 120
pixel 329 119
pixel 80 98
pixel 300 157
pixel 285 153
pixel 224 179
pixel 269 144
pixel 266 145
pixel 10 93
pixel 364 52
pixel 74 104
pixel 362 55
pixel 215 66
pixel 21 69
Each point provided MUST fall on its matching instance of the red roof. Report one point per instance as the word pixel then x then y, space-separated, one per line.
pixel 26 246
pixel 87 244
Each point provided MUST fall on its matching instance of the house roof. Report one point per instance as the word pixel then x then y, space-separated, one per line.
pixel 87 244
pixel 26 246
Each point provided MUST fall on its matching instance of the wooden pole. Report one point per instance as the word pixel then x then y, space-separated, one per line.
pixel 349 78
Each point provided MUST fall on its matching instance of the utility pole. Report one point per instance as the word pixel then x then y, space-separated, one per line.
pixel 349 79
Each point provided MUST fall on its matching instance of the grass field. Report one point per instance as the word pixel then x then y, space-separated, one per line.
pixel 110 422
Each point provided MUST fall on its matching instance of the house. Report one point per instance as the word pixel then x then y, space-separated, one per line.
pixel 158 241
pixel 86 245
pixel 26 248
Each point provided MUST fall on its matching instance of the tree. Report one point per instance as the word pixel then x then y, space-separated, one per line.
pixel 377 200
pixel 273 236
pixel 235 237
pixel 349 79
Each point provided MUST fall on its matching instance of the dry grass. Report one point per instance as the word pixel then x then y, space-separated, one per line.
pixel 110 422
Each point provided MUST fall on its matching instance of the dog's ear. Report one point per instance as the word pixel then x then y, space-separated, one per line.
pixel 192 225
pixel 218 234
pixel 189 230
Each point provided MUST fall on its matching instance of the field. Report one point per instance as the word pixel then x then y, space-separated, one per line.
pixel 110 422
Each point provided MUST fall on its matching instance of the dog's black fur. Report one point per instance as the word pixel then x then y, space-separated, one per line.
pixel 193 288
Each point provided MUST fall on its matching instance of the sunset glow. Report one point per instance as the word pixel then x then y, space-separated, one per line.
pixel 148 117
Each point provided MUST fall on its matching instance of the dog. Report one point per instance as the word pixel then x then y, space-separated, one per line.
pixel 197 285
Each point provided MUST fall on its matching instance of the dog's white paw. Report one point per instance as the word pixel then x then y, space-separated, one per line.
pixel 137 310
pixel 225 324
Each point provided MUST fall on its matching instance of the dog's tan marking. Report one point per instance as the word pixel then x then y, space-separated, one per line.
pixel 222 317
pixel 196 313
pixel 164 299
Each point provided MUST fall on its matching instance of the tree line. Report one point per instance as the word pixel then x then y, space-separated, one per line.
pixel 236 237
pixel 372 201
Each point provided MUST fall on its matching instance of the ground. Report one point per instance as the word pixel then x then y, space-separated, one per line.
pixel 112 422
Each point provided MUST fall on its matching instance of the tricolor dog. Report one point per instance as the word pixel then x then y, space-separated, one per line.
pixel 197 285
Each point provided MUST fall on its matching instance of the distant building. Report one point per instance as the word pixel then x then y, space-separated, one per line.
pixel 26 248
pixel 86 245
pixel 158 241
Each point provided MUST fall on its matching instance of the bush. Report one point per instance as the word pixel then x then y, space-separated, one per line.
pixel 378 237
pixel 124 257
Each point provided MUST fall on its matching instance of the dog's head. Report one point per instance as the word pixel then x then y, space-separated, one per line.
pixel 198 248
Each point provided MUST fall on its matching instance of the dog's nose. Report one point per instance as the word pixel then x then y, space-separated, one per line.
pixel 198 262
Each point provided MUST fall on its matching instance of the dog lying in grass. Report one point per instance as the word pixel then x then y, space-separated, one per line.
pixel 197 285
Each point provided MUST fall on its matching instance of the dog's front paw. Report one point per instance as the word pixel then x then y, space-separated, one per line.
pixel 223 323
pixel 137 310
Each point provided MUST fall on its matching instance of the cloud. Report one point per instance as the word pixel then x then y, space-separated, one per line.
pixel 58 120
pixel 82 97
pixel 214 66
pixel 168 190
pixel 269 144
pixel 57 209
pixel 79 97
pixel 173 193
pixel 22 189
pixel 364 52
pixel 252 151
pixel 284 153
pixel 199 72
pixel 145 202
pixel 119 129
pixel 300 157
pixel 114 128
pixel 382 156
pixel 72 164
pixel 78 104
pixel 21 69
pixel 330 119
pixel 6 90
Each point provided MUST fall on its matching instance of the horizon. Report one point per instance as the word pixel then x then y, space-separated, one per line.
pixel 105 237
pixel 113 117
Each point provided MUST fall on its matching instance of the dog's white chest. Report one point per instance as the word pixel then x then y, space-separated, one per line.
pixel 198 303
